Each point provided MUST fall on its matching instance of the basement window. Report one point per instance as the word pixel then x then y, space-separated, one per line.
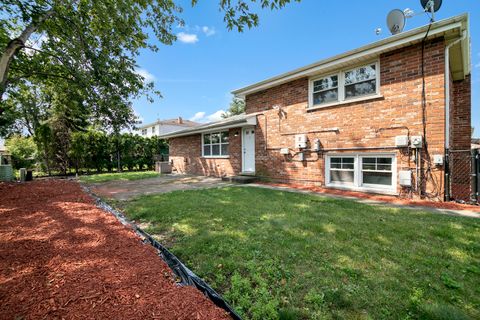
pixel 377 171
pixel 362 172
pixel 359 83
pixel 215 144
pixel 342 170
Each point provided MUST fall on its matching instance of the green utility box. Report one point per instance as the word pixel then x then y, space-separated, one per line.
pixel 6 172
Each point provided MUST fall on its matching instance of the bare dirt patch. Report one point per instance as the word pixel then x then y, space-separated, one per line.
pixel 62 257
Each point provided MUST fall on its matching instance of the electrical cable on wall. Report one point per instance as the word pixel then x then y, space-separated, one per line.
pixel 423 178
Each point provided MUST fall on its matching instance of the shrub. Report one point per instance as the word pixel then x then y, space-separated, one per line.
pixel 23 151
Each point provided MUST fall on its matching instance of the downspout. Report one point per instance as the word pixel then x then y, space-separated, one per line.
pixel 447 114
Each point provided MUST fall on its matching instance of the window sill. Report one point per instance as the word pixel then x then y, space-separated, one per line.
pixel 215 157
pixel 339 103
pixel 387 191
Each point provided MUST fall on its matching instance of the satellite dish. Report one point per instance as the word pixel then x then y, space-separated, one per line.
pixel 396 21
pixel 436 5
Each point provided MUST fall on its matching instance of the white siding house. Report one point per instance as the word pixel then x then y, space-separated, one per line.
pixel 162 127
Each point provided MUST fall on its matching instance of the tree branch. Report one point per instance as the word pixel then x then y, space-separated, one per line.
pixel 28 75
pixel 14 46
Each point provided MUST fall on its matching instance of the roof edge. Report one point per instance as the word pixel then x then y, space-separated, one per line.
pixel 401 39
pixel 247 120
pixel 186 123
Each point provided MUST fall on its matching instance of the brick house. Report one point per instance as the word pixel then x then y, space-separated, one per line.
pixel 367 120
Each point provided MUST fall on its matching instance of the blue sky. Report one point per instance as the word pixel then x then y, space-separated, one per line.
pixel 196 74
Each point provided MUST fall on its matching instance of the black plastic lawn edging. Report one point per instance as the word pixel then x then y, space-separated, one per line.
pixel 187 277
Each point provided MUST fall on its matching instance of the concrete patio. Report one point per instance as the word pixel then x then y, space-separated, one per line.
pixel 127 190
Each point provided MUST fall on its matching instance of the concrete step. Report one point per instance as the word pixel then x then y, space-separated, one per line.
pixel 240 179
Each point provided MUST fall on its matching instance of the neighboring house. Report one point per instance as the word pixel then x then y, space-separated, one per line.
pixel 5 157
pixel 162 127
pixel 355 121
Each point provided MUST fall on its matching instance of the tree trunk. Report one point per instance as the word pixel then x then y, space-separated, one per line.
pixel 119 165
pixel 13 47
pixel 47 164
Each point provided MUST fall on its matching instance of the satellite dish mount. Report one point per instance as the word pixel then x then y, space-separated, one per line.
pixel 396 21
pixel 431 6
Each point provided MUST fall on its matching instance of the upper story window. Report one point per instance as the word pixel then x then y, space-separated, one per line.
pixel 144 132
pixel 361 81
pixel 325 90
pixel 153 130
pixel 357 83
pixel 215 144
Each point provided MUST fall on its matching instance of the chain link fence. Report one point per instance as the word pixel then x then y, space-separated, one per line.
pixel 463 181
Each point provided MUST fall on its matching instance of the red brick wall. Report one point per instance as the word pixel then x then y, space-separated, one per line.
pixel 356 126
pixel 460 138
pixel 460 114
pixel 372 123
pixel 186 155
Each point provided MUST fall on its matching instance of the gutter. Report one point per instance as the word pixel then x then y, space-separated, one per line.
pixel 447 87
pixel 376 48
pixel 447 113
pixel 250 120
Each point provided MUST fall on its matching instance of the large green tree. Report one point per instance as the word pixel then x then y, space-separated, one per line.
pixel 237 106
pixel 70 65
pixel 92 46
pixel 85 50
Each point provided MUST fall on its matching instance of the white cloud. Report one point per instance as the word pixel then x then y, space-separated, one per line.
pixel 209 31
pixel 147 76
pixel 187 37
pixel 203 117
pixel 217 115
pixel 198 116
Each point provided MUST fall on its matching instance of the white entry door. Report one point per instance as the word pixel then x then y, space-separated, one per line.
pixel 248 150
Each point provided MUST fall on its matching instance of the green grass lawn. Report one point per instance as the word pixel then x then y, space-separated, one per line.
pixel 281 255
pixel 104 177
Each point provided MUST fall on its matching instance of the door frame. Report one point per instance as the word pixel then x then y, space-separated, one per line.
pixel 241 150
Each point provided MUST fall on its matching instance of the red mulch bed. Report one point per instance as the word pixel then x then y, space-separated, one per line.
pixel 383 198
pixel 62 257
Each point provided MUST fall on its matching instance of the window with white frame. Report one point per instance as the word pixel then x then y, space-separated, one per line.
pixel 215 144
pixel 342 170
pixel 361 81
pixel 153 130
pixel 361 171
pixel 377 171
pixel 325 90
pixel 144 132
pixel 345 85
